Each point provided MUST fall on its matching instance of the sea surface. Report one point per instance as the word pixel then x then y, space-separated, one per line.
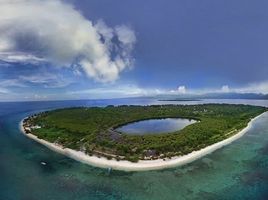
pixel 237 171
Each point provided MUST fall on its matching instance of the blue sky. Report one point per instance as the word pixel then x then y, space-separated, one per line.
pixel 108 49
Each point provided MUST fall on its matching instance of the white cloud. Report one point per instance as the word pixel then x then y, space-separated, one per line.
pixel 225 88
pixel 117 92
pixel 261 87
pixel 39 97
pixel 181 89
pixel 53 31
pixel 47 80
pixel 11 83
pixel 4 91
pixel 257 87
pixel 19 57
pixel 130 90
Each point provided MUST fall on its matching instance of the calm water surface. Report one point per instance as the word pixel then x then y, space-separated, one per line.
pixel 237 171
pixel 155 126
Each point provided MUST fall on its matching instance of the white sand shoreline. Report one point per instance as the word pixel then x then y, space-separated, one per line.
pixel 142 165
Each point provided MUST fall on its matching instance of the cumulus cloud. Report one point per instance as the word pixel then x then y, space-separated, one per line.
pixel 259 87
pixel 181 89
pixel 225 88
pixel 53 31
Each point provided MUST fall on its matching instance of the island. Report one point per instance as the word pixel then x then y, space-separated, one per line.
pixel 90 134
pixel 179 99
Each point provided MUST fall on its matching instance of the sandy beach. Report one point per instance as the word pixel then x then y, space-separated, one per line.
pixel 142 165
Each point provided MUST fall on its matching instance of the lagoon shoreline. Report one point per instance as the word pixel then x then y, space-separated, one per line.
pixel 141 165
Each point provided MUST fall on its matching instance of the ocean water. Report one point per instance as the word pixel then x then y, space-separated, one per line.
pixel 155 126
pixel 237 171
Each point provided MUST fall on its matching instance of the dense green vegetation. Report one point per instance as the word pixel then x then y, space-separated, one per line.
pixel 92 129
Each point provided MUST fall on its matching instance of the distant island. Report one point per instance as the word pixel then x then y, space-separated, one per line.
pixel 179 99
pixel 216 95
pixel 92 131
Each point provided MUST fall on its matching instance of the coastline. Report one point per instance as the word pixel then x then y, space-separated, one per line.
pixel 142 165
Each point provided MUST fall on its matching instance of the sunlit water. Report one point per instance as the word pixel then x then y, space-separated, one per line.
pixel 155 126
pixel 237 171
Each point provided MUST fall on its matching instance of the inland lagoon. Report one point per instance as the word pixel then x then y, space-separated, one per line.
pixel 155 126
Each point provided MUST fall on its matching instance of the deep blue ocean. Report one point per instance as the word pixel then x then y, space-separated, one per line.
pixel 237 171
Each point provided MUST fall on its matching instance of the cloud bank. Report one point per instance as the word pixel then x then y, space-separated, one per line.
pixel 53 31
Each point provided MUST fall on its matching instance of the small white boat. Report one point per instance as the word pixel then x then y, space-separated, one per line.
pixel 43 163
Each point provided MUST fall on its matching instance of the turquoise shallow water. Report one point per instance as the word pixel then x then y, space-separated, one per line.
pixel 237 171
